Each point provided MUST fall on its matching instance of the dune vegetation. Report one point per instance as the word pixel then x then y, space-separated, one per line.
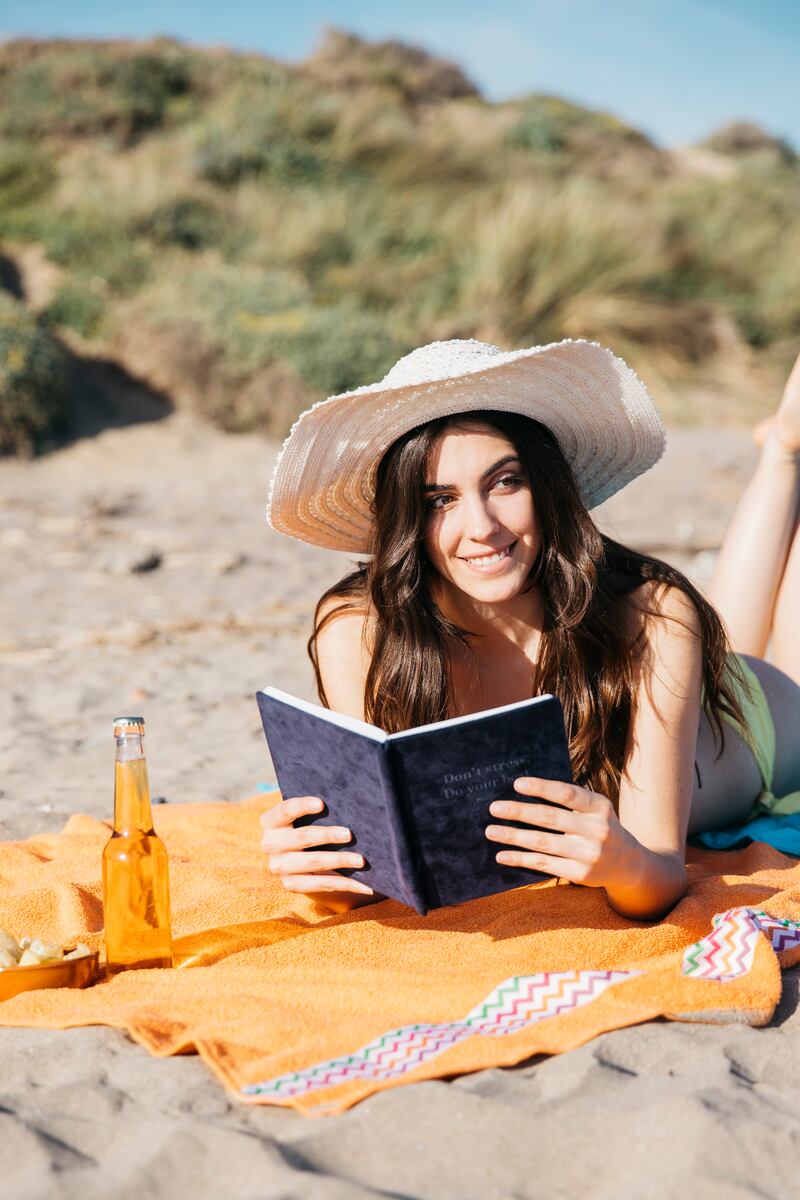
pixel 246 236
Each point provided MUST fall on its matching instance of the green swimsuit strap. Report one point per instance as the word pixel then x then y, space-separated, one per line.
pixel 759 731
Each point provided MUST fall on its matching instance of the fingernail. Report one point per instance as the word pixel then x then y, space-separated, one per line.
pixel 498 809
pixel 492 831
pixel 355 860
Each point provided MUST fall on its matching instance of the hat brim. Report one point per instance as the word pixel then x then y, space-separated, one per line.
pixel 606 424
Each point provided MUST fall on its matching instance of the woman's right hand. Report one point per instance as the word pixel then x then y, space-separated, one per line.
pixel 299 866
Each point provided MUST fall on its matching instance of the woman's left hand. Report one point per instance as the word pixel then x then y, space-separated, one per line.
pixel 582 840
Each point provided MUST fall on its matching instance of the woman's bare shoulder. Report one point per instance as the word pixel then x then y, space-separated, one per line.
pixel 654 602
pixel 344 621
pixel 344 652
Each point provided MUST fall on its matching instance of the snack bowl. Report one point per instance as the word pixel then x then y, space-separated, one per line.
pixel 69 972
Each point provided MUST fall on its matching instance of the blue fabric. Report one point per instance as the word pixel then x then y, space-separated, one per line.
pixel 781 832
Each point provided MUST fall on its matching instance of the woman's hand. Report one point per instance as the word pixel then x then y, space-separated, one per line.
pixel 581 840
pixel 301 868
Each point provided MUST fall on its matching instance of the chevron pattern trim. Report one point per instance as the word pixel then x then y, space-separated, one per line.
pixel 527 999
pixel 516 1003
pixel 783 933
pixel 728 951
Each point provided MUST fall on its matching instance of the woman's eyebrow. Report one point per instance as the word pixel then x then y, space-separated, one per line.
pixel 451 487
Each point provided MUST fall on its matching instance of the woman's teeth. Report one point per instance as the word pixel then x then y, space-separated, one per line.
pixel 487 560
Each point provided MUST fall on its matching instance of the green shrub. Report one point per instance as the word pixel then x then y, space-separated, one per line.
pixel 26 174
pixel 333 247
pixel 83 90
pixel 76 307
pixel 33 383
pixel 186 221
pixel 338 349
pixel 93 244
pixel 224 293
pixel 29 100
pixel 537 130
pixel 227 159
pixel 549 124
pixel 144 85
pixel 331 349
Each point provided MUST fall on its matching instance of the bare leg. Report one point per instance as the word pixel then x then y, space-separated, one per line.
pixel 753 558
pixel 786 621
pixel 753 561
pixel 756 588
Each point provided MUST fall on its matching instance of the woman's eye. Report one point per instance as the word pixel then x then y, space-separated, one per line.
pixel 509 480
pixel 437 502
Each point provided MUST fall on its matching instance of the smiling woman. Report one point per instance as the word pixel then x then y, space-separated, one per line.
pixel 484 526
pixel 487 582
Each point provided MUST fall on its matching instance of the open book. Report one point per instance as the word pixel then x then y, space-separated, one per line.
pixel 417 802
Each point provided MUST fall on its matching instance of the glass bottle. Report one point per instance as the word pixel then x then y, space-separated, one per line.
pixel 135 866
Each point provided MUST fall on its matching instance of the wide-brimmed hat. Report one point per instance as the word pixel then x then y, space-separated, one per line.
pixel 606 424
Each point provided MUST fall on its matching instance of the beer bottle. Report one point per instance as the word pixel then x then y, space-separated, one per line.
pixel 135 867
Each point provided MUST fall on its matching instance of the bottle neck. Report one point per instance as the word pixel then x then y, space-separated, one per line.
pixel 132 811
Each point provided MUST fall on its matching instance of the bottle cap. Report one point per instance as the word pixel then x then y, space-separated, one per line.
pixel 123 725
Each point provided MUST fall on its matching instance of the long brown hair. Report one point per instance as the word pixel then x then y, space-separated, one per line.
pixel 586 655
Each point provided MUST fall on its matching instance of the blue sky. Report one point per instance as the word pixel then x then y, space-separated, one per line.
pixel 675 68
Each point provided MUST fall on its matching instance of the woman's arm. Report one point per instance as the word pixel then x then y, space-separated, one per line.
pixel 638 855
pixel 343 660
pixel 658 774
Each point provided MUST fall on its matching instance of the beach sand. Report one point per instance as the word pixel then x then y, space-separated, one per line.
pixel 140 577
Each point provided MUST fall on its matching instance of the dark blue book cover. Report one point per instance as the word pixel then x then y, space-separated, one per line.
pixel 417 802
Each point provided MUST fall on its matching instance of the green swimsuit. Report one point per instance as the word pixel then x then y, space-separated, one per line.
pixel 760 736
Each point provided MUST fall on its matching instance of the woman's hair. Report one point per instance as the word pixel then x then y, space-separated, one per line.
pixel 586 656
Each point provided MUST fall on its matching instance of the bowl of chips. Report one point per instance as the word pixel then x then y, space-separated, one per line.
pixel 30 963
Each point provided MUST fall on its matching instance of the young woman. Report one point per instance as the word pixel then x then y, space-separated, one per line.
pixel 467 475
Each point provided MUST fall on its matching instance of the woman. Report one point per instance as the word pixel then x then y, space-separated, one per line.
pixel 467 474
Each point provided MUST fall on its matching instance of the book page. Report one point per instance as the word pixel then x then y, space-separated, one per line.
pixel 451 722
pixel 327 714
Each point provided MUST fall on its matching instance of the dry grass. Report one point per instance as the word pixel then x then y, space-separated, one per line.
pixel 328 215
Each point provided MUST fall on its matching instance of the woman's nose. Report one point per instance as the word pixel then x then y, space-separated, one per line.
pixel 479 520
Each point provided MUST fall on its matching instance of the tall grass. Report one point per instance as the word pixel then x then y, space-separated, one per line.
pixel 313 222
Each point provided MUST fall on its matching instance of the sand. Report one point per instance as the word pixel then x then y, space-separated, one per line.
pixel 139 576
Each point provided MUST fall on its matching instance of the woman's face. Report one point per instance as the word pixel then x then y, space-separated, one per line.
pixel 481 532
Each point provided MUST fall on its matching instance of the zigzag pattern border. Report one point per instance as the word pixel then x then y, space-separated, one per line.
pixel 783 933
pixel 522 1000
pixel 728 951
pixel 517 1002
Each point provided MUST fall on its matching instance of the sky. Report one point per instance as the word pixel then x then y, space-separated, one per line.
pixel 676 69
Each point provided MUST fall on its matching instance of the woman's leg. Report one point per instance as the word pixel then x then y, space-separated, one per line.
pixel 786 620
pixel 752 573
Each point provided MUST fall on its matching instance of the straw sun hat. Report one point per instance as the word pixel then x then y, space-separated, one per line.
pixel 599 410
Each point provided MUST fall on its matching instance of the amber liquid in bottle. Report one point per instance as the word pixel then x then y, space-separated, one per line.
pixel 135 867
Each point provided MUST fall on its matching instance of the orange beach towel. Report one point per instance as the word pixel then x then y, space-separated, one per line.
pixel 292 1006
